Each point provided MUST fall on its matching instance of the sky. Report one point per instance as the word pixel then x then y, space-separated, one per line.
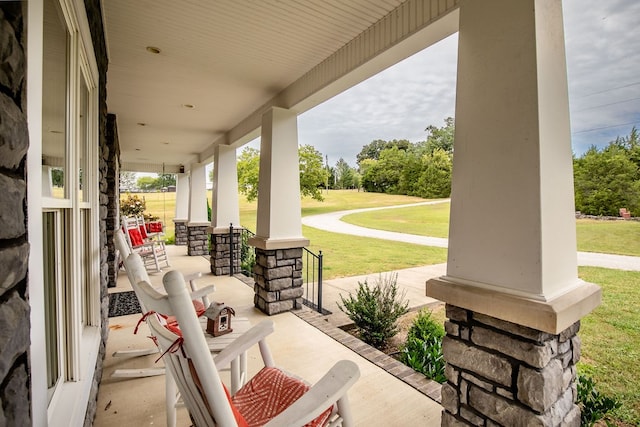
pixel 603 70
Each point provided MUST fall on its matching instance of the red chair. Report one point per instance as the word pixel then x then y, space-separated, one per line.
pixel 153 253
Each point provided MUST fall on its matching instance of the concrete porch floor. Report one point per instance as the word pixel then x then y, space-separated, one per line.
pixel 377 399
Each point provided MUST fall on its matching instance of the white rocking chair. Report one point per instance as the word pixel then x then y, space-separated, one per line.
pixel 136 273
pixel 152 252
pixel 270 398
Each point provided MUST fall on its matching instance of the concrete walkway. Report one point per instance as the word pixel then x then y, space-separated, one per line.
pixel 332 222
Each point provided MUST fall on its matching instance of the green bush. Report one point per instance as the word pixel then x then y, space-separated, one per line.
pixel 423 348
pixel 376 310
pixel 247 255
pixel 593 405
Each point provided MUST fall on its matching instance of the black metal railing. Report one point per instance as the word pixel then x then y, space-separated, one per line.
pixel 247 253
pixel 312 280
pixel 311 269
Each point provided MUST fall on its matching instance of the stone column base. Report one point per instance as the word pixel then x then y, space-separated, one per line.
pixel 278 277
pixel 221 252
pixel 181 232
pixel 198 240
pixel 501 373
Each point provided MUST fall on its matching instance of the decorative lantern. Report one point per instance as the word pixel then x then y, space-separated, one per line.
pixel 219 319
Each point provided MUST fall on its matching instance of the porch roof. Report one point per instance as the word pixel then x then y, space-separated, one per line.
pixel 222 64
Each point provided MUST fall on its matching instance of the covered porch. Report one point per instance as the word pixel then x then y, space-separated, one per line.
pixel 378 398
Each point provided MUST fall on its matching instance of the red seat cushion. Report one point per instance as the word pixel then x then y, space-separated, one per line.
pixel 136 238
pixel 143 231
pixel 155 227
pixel 172 323
pixel 268 393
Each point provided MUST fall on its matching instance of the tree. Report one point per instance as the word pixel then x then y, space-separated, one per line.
pixel 147 183
pixel 375 148
pixel 435 179
pixel 605 181
pixel 165 180
pixel 345 175
pixel 248 171
pixel 441 138
pixel 128 180
pixel 383 175
pixel 312 172
pixel 57 177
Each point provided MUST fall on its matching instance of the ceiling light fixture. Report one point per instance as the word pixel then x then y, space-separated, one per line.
pixel 153 49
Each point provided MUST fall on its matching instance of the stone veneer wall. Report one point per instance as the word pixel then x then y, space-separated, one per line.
pixel 503 374
pixel 181 232
pixel 198 240
pixel 221 252
pixel 109 153
pixel 110 197
pixel 15 396
pixel 278 280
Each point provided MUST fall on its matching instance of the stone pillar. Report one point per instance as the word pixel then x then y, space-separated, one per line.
pixel 278 240
pixel 501 373
pixel 512 243
pixel 198 239
pixel 221 251
pixel 182 209
pixel 198 224
pixel 278 277
pixel 15 364
pixel 181 232
pixel 225 210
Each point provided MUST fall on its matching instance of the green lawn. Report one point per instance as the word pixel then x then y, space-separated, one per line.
pixel 611 237
pixel 611 339
pixel 428 220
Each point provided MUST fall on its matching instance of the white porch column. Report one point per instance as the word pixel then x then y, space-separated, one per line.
pixel 182 196
pixel 225 250
pixel 224 205
pixel 511 286
pixel 181 217
pixel 198 194
pixel 278 240
pixel 198 238
pixel 279 223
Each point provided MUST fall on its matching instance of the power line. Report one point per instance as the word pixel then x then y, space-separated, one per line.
pixel 608 90
pixel 605 127
pixel 606 105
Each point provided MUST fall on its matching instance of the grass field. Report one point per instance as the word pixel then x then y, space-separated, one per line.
pixel 611 339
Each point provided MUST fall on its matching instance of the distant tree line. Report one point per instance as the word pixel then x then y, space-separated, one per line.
pixel 608 179
pixel 420 169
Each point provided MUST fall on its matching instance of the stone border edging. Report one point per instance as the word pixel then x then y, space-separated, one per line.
pixel 428 387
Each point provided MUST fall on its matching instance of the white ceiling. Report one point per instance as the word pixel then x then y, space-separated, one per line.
pixel 230 58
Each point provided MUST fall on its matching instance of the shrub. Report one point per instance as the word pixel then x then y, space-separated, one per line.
pixel 376 310
pixel 423 349
pixel 593 405
pixel 132 205
pixel 247 255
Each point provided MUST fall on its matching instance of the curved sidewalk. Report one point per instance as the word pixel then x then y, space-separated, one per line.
pixel 332 222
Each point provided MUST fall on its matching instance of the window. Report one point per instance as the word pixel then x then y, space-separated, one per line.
pixel 70 207
pixel 54 101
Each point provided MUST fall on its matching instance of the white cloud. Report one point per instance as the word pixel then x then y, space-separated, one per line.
pixel 603 59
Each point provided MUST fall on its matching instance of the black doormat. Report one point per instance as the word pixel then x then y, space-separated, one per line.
pixel 123 303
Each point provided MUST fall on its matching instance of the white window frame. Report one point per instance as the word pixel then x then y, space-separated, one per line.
pixel 82 321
